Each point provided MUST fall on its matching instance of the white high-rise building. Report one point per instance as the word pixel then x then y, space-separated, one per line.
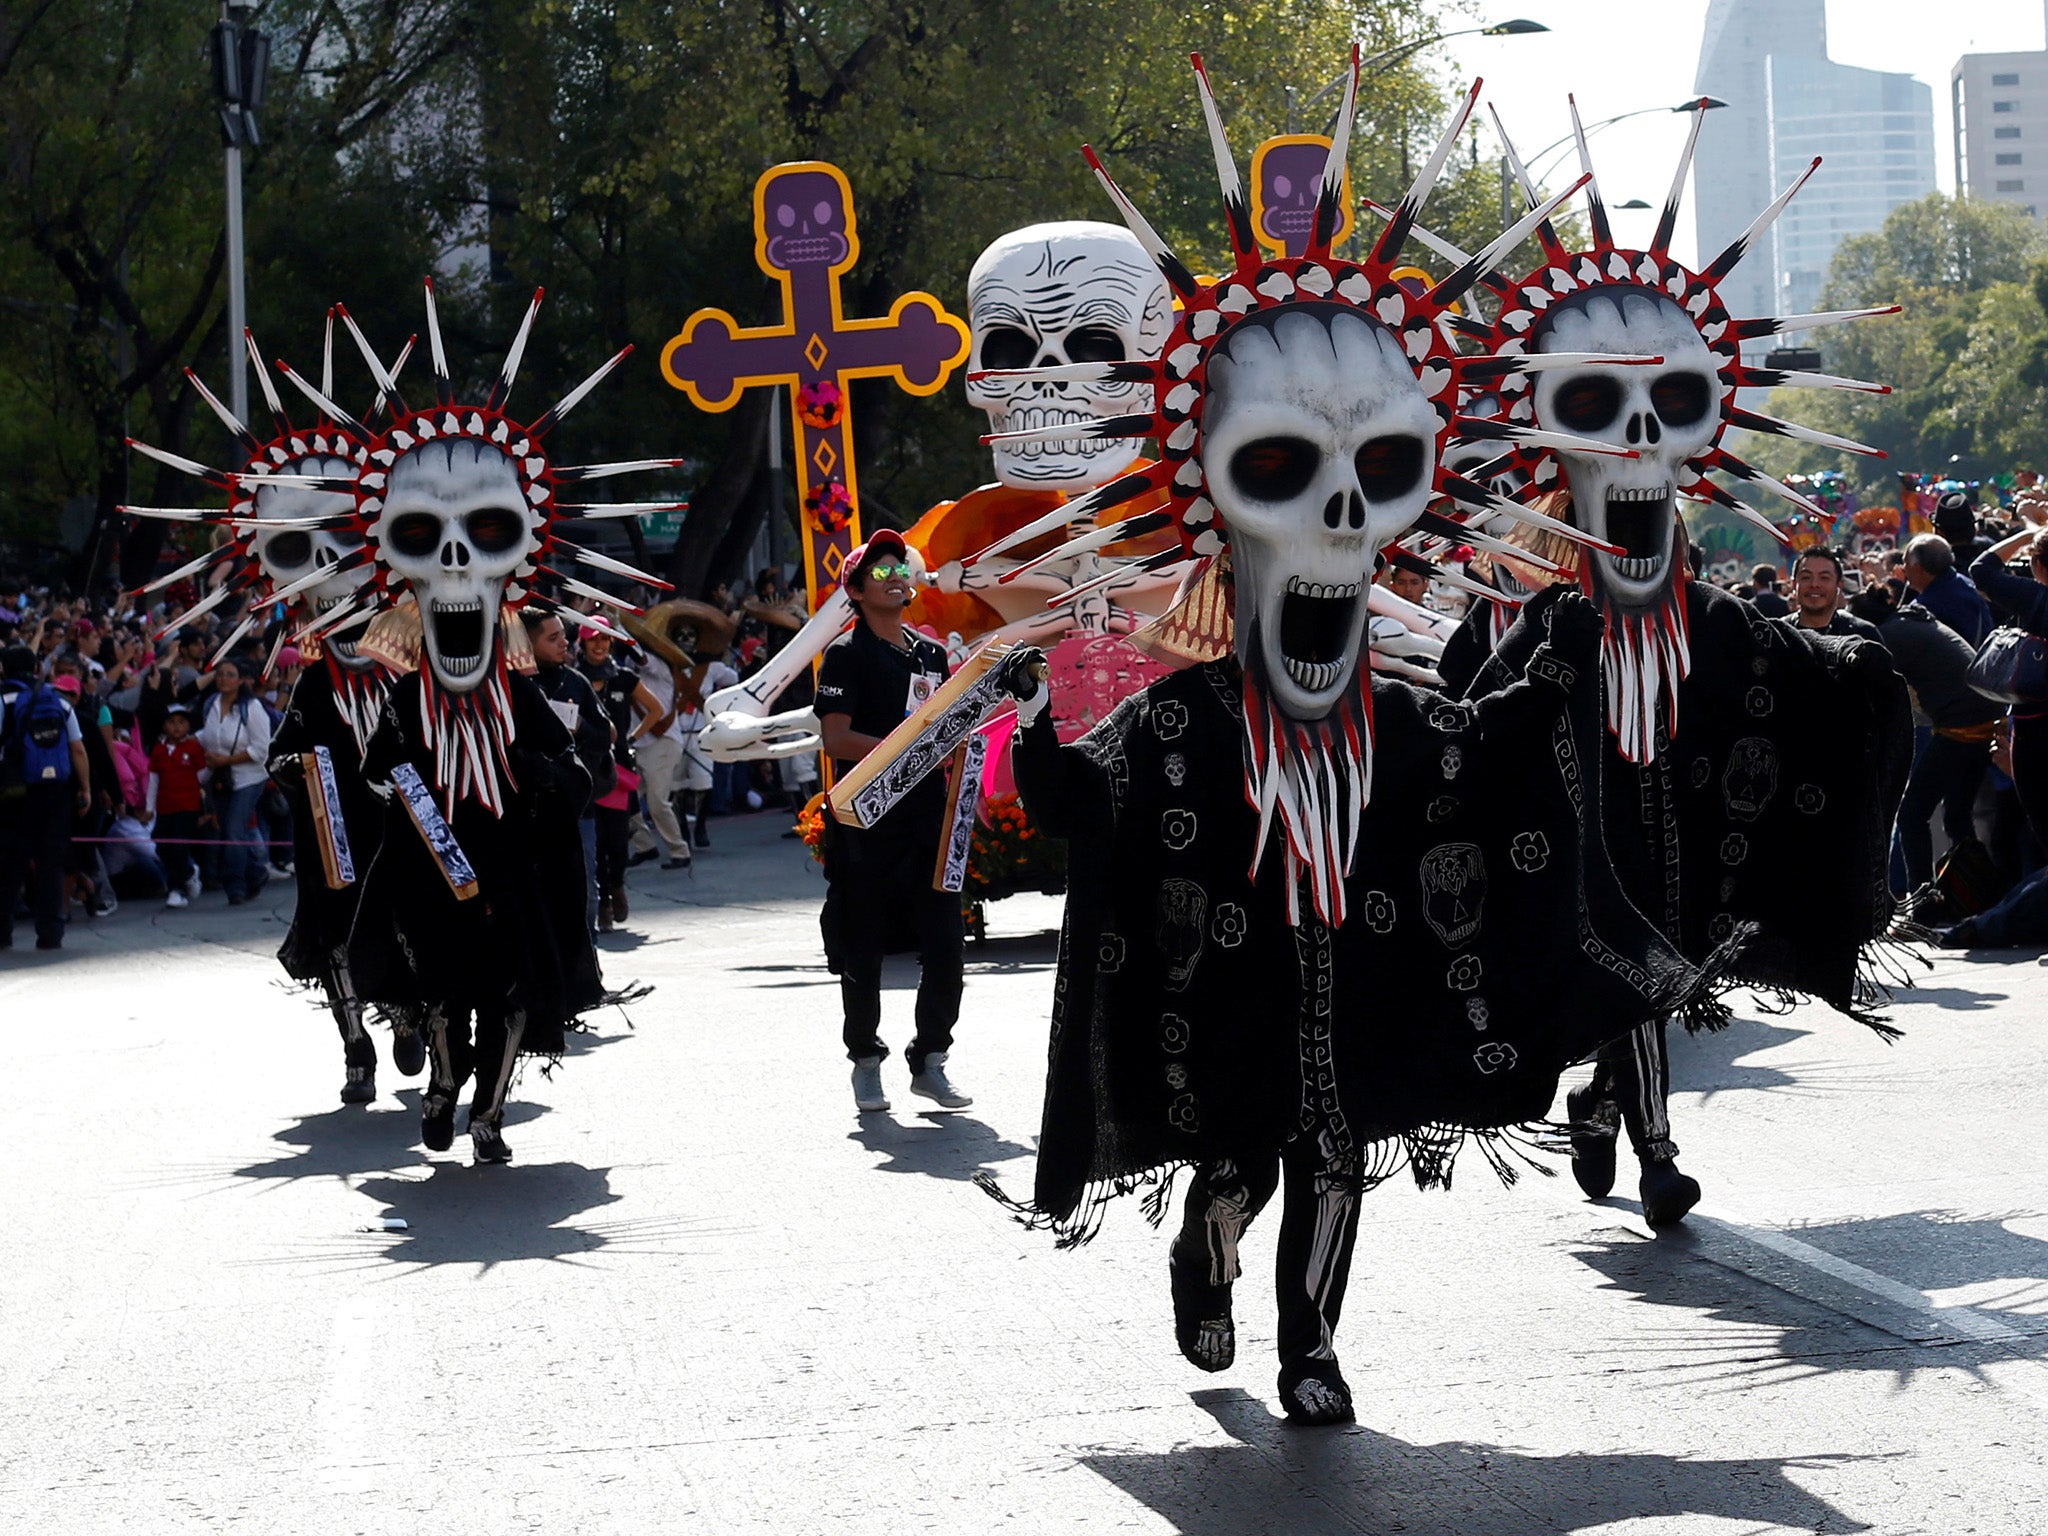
pixel 2000 106
pixel 1787 103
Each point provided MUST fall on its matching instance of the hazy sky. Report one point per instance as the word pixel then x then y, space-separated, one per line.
pixel 1618 55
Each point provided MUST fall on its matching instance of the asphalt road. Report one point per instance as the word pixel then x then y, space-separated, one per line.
pixel 708 1297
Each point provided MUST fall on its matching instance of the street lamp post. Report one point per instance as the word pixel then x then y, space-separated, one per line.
pixel 1507 178
pixel 240 55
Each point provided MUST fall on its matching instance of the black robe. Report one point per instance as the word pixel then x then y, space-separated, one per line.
pixel 323 917
pixel 1487 946
pixel 1773 805
pixel 520 942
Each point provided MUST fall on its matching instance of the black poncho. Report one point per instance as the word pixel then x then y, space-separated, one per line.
pixel 1773 804
pixel 520 942
pixel 323 916
pixel 1487 945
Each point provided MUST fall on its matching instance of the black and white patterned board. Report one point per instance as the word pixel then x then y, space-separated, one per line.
pixel 337 828
pixel 435 832
pixel 944 730
pixel 966 801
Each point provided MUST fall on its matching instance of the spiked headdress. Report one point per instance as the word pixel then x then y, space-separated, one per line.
pixel 540 479
pixel 281 460
pixel 1565 273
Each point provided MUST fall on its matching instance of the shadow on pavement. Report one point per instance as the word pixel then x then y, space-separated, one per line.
pixel 1321 1482
pixel 1763 1317
pixel 349 1140
pixel 940 1146
pixel 1710 1064
pixel 464 1214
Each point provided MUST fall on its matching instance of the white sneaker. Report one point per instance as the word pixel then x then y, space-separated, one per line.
pixel 177 898
pixel 192 886
pixel 867 1085
pixel 931 1083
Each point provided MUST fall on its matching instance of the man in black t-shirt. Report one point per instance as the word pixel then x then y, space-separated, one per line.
pixel 880 878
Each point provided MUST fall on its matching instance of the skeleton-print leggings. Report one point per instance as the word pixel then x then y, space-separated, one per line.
pixel 1634 1074
pixel 452 1057
pixel 1318 1230
pixel 357 1049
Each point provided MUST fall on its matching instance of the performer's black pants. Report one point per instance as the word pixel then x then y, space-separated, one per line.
pixel 1318 1231
pixel 1634 1074
pixel 865 909
pixel 35 830
pixel 452 1057
pixel 357 1048
pixel 614 827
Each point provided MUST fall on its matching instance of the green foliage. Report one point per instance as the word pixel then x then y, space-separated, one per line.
pixel 1967 360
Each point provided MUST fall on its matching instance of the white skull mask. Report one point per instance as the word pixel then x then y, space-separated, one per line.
pixel 1319 448
pixel 456 526
pixel 1052 294
pixel 1667 414
pixel 291 554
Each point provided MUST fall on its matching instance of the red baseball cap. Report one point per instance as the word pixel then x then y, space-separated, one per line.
pixel 883 541
pixel 68 683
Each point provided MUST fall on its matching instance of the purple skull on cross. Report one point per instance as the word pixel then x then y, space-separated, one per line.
pixel 1290 178
pixel 806 221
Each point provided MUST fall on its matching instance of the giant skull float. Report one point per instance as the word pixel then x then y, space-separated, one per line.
pixel 1046 296
pixel 1670 408
pixel 1301 405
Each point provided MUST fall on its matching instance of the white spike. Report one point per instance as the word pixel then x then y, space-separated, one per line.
pixel 1793 430
pixel 603 509
pixel 1826 381
pixel 235 635
pixel 175 514
pixel 1098 538
pixel 515 353
pixel 189 466
pixel 327 407
pixel 1219 142
pixel 1451 576
pixel 206 604
pixel 1544 362
pixel 228 419
pixel 1537 437
pixel 1530 196
pixel 386 385
pixel 1164 560
pixel 570 401
pixel 1535 519
pixel 440 357
pixel 190 568
pixel 597 594
pixel 1782 325
pixel 263 379
pixel 1743 510
pixel 1744 243
pixel 1073 373
pixel 1433 167
pixel 581 472
pixel 326 356
pixel 603 562
pixel 1429 238
pixel 1504 243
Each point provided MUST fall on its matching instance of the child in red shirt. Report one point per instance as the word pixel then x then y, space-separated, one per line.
pixel 175 802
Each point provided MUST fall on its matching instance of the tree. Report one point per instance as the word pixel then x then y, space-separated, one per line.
pixel 1964 360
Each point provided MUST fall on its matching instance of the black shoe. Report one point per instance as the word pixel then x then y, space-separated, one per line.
pixel 683 863
pixel 437 1121
pixel 360 1087
pixel 1667 1193
pixel 1594 1124
pixel 488 1142
pixel 639 858
pixel 408 1050
pixel 1202 1324
pixel 42 943
pixel 703 837
pixel 1315 1392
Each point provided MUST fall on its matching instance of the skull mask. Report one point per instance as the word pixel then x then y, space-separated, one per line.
pixel 1318 450
pixel 1666 414
pixel 455 525
pixel 291 554
pixel 1054 294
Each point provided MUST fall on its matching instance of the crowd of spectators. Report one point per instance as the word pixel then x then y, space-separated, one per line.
pixel 1980 764
pixel 134 768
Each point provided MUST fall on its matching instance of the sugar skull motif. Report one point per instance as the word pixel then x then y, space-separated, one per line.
pixel 1454 891
pixel 1751 778
pixel 1183 927
pixel 806 222
pixel 289 555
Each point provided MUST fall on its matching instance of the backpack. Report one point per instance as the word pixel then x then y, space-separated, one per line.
pixel 36 746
